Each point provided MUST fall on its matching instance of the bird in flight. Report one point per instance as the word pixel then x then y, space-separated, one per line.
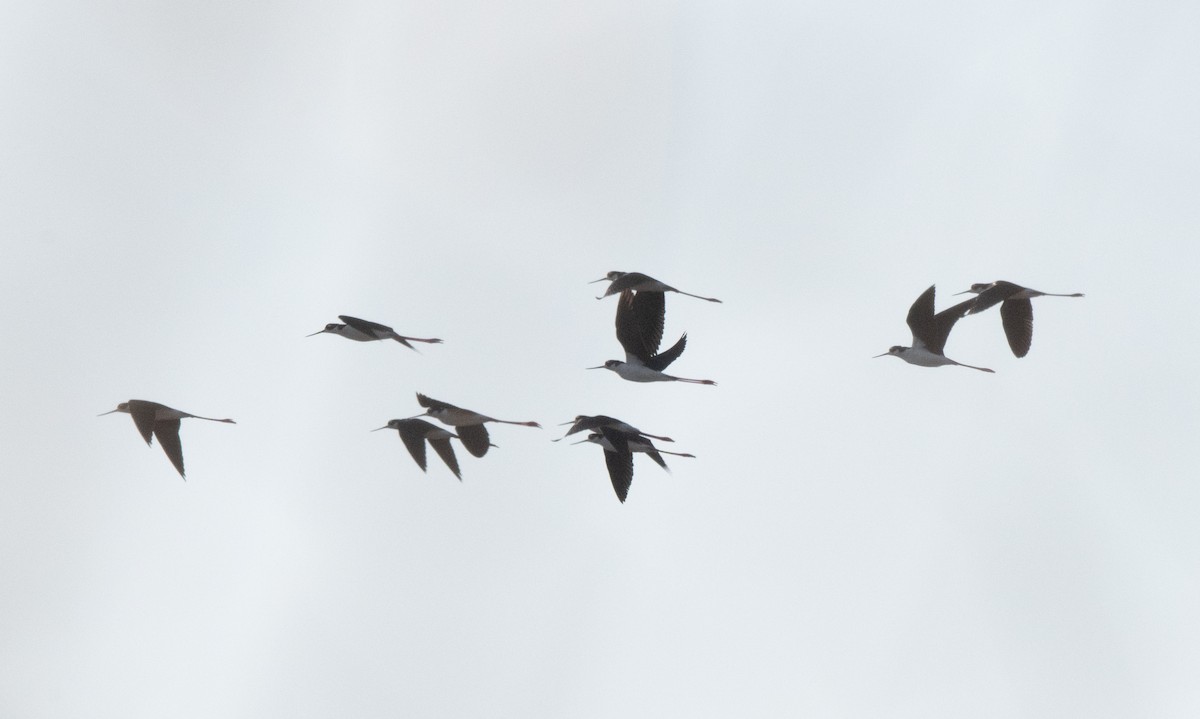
pixel 619 446
pixel 416 432
pixel 470 425
pixel 639 321
pixel 929 332
pixel 636 443
pixel 1016 311
pixel 636 281
pixel 364 331
pixel 158 420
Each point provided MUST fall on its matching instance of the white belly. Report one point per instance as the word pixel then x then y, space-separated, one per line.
pixel 641 373
pixel 925 358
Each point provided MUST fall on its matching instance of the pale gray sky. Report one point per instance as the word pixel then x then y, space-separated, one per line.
pixel 190 188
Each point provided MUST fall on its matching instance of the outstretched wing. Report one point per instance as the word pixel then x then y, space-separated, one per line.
pixel 366 327
pixel 929 330
pixel 661 361
pixel 475 438
pixel 658 459
pixel 619 461
pixel 446 452
pixel 167 431
pixel 143 416
pixel 920 317
pixel 943 322
pixel 639 321
pixel 1017 316
pixel 431 403
pixel 415 442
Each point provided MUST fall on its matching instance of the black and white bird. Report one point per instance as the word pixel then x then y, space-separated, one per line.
pixel 416 432
pixel 158 420
pixel 619 447
pixel 636 443
pixel 639 321
pixel 929 332
pixel 636 281
pixel 1016 311
pixel 365 331
pixel 584 422
pixel 470 424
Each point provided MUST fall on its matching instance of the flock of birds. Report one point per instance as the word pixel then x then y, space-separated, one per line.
pixel 640 318
pixel 929 330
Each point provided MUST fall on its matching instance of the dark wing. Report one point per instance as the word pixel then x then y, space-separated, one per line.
pixel 143 416
pixel 446 452
pixel 167 431
pixel 475 438
pixel 994 295
pixel 431 403
pixel 414 440
pixel 639 321
pixel 920 316
pixel 660 362
pixel 620 462
pixel 620 472
pixel 1017 316
pixel 658 459
pixel 365 326
pixel 943 322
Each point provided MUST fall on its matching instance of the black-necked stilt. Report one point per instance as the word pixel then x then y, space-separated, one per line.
pixel 619 447
pixel 364 331
pixel 636 443
pixel 929 332
pixel 626 281
pixel 594 422
pixel 470 425
pixel 1016 311
pixel 639 330
pixel 159 420
pixel 415 432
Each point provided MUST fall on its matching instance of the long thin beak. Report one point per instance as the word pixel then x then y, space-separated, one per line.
pixel 602 279
pixel 956 294
pixel 108 412
pixel 565 435
pixel 314 334
pixel 383 427
pixel 582 441
pixel 885 354
pixel 600 367
pixel 560 424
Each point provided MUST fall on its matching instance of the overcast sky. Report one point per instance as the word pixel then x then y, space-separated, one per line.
pixel 188 189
